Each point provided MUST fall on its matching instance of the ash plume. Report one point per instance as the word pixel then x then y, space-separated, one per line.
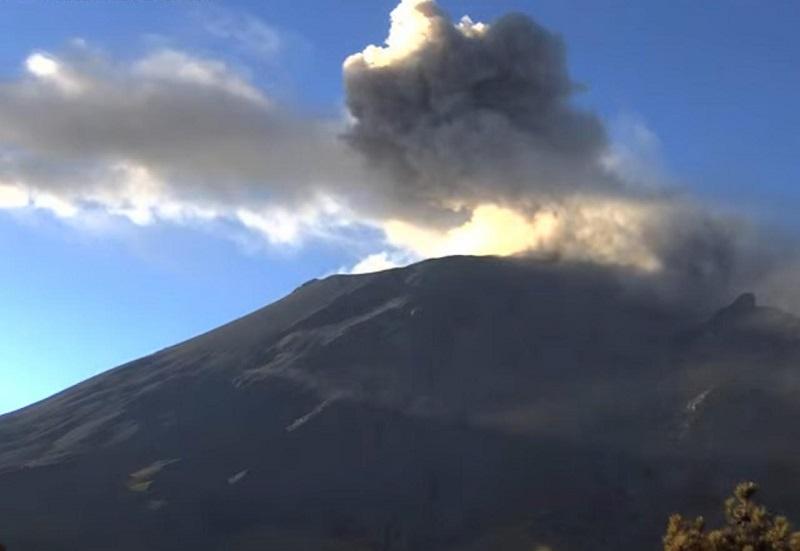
pixel 468 112
pixel 479 148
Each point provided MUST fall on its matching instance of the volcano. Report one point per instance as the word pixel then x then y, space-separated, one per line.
pixel 463 403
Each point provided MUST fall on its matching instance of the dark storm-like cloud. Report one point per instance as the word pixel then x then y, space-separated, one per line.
pixel 469 112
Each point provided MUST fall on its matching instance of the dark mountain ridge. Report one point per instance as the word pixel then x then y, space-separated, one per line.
pixel 460 403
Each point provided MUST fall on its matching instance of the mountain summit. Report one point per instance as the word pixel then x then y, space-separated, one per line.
pixel 457 404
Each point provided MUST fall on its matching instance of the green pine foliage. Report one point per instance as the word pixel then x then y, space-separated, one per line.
pixel 749 527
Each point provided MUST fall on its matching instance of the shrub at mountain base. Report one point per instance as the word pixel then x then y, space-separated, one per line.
pixel 749 527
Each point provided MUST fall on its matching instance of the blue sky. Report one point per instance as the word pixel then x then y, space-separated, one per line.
pixel 714 90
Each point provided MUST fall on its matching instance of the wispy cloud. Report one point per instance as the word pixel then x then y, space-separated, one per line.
pixel 246 31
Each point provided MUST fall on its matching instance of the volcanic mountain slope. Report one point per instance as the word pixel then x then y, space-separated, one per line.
pixel 457 404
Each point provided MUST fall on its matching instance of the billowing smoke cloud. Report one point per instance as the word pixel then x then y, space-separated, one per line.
pixel 483 151
pixel 470 113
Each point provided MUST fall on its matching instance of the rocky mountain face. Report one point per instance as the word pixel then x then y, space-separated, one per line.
pixel 457 404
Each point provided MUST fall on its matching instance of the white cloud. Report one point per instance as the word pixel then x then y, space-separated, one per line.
pixel 58 206
pixel 166 137
pixel 320 217
pixel 410 29
pixel 13 196
pixel 384 260
pixel 42 65
pixel 50 70
pixel 635 153
pixel 194 122
pixel 181 67
pixel 250 33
